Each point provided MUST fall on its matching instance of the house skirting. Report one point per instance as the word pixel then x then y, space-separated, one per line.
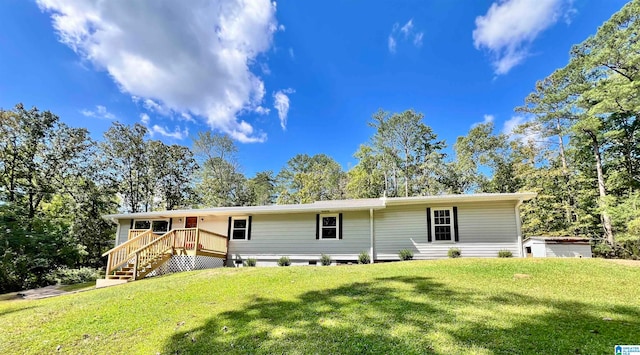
pixel 179 263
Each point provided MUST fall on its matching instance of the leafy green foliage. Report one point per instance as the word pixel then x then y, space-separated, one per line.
pixel 284 261
pixel 307 179
pixel 454 253
pixel 250 262
pixel 66 276
pixel 505 254
pixel 408 151
pixel 364 258
pixel 325 260
pixel 405 254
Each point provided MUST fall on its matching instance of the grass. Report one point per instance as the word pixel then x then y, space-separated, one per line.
pixel 493 306
pixel 78 287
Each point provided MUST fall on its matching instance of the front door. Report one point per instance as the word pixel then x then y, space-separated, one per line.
pixel 191 222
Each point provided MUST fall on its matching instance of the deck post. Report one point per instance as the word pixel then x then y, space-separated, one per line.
pixel 135 266
pixel 108 271
pixel 196 241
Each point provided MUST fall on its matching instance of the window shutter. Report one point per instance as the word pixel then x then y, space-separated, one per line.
pixel 131 227
pixel 249 228
pixel 455 222
pixel 340 226
pixel 229 229
pixel 317 226
pixel 429 224
pixel 170 223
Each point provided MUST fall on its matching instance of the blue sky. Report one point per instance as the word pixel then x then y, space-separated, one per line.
pixel 286 78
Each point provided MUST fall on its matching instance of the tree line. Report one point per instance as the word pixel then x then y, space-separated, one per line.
pixel 580 152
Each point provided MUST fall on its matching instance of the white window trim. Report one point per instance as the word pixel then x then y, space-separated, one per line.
pixel 151 220
pixel 337 216
pixel 246 229
pixel 451 224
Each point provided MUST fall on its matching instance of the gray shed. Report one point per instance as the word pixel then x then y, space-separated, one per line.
pixel 556 247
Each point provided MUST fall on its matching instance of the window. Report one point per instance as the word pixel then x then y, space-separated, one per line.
pixel 158 226
pixel 329 226
pixel 145 224
pixel 442 224
pixel 239 228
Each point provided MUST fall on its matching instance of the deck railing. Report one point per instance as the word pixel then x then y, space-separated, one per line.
pixel 122 253
pixel 187 239
pixel 135 232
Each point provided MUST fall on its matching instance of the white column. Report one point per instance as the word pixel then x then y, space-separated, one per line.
pixel 519 228
pixel 372 235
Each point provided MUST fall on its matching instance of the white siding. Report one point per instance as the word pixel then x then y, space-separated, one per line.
pixel 216 224
pixel 538 250
pixel 570 250
pixel 294 235
pixel 484 229
pixel 125 224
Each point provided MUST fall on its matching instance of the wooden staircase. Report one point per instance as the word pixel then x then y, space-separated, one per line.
pixel 145 251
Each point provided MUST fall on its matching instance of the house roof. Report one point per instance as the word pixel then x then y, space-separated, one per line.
pixel 329 206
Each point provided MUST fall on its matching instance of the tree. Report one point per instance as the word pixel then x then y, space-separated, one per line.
pixel 365 180
pixel 125 158
pixel 262 188
pixel 404 144
pixel 221 183
pixel 306 179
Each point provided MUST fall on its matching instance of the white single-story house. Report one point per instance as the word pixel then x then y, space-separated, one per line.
pixel 479 225
pixel 541 247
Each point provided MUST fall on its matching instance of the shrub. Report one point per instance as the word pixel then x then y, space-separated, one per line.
pixel 603 250
pixel 364 258
pixel 325 260
pixel 405 254
pixel 65 276
pixel 284 261
pixel 454 253
pixel 251 262
pixel 505 254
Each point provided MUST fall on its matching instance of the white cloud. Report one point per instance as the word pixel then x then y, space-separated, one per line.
pixel 261 110
pixel 281 104
pixel 527 136
pixel 188 57
pixel 163 131
pixel 145 119
pixel 100 112
pixel 407 31
pixel 291 53
pixel 510 26
pixel 417 39
pixel 407 28
pixel 392 44
pixel 486 119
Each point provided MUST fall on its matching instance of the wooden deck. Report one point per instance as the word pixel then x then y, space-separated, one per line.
pixel 145 250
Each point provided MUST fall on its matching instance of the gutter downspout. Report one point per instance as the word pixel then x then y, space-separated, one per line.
pixel 372 235
pixel 117 231
pixel 519 227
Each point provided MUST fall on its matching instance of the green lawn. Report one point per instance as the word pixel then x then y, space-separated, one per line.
pixel 496 306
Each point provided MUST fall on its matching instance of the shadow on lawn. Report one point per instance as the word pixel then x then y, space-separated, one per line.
pixel 400 315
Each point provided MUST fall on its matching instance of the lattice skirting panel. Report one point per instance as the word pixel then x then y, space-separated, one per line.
pixel 179 263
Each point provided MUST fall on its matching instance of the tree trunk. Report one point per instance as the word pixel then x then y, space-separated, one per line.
pixel 606 220
pixel 565 172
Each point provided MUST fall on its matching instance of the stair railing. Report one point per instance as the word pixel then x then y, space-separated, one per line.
pixel 122 253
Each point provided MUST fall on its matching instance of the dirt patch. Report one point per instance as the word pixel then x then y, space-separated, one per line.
pixel 521 276
pixel 635 263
